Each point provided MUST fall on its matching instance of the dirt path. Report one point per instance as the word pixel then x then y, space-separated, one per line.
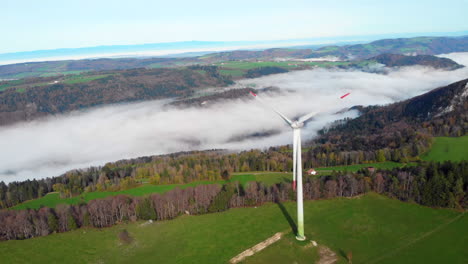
pixel 260 246
pixel 327 256
pixel 396 250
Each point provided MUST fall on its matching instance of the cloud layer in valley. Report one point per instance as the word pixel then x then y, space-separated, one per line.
pixel 51 146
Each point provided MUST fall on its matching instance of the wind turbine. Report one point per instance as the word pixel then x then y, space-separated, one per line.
pixel 297 161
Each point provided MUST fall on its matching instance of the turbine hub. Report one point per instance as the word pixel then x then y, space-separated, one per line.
pixel 297 124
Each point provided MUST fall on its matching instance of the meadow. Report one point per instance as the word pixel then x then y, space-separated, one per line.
pixel 448 148
pixel 376 229
pixel 247 65
pixel 72 79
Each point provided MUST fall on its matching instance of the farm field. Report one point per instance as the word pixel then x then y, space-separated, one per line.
pixel 376 229
pixel 53 199
pixel 448 148
pixel 72 79
pixel 246 65
pixel 268 178
pixel 43 73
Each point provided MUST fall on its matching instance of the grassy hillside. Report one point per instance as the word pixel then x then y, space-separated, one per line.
pixel 375 228
pixel 53 199
pixel 448 148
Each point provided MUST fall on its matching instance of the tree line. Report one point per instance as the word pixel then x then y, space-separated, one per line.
pixel 430 184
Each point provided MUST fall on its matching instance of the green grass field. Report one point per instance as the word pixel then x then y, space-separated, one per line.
pixel 83 78
pixel 356 167
pixel 9 84
pixel 448 148
pixel 376 229
pixel 53 199
pixel 232 72
pixel 285 250
pixel 46 73
pixel 269 178
pixel 247 65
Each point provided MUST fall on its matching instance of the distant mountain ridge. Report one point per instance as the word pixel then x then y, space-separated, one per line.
pixel 356 52
pixel 139 49
pixel 406 46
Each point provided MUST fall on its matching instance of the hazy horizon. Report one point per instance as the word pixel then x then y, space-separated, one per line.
pixel 177 49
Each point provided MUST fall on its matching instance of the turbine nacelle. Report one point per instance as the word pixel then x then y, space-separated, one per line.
pixel 297 125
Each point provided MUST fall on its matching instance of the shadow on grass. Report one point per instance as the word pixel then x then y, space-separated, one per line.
pixel 288 217
pixel 343 254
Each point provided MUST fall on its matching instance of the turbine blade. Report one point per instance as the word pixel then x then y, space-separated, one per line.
pixel 287 120
pixel 305 118
pixel 343 96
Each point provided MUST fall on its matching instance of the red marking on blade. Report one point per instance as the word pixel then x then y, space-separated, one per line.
pixel 294 185
pixel 343 96
pixel 252 93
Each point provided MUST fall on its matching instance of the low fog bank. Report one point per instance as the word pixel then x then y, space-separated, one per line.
pixel 51 146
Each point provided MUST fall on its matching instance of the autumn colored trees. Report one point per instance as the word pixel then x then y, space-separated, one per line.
pixel 431 184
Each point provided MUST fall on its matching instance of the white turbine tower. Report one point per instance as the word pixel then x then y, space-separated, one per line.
pixel 297 162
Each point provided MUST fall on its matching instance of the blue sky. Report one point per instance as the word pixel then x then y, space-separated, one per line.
pixel 48 24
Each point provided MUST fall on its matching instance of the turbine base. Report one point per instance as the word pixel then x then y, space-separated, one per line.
pixel 300 238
